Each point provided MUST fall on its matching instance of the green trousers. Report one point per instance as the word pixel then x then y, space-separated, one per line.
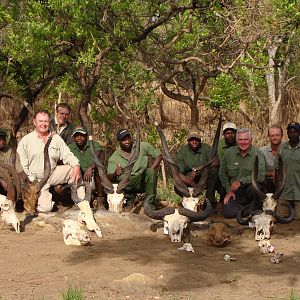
pixel 143 183
pixel 213 185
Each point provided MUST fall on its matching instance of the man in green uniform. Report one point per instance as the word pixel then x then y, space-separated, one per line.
pixel 235 174
pixel 81 149
pixel 290 153
pixel 143 179
pixel 192 155
pixel 228 140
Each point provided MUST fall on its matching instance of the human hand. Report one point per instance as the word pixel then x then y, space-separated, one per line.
pixel 75 174
pixel 118 171
pixel 88 174
pixel 228 196
pixel 235 185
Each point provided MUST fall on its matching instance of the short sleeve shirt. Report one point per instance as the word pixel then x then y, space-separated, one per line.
pixel 187 159
pixel 146 149
pixel 84 155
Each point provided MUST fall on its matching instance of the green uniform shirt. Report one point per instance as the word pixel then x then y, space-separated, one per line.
pixel 222 147
pixel 235 167
pixel 84 156
pixel 186 159
pixel 140 165
pixel 291 161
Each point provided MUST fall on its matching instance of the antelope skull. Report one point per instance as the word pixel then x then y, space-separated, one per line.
pixel 8 213
pixel 263 224
pixel 115 200
pixel 175 224
pixel 191 202
pixel 73 234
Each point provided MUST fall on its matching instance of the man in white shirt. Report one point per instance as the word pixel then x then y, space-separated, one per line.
pixel 31 152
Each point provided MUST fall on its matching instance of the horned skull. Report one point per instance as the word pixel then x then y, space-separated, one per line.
pixel 269 203
pixel 115 200
pixel 73 234
pixel 175 223
pixel 263 224
pixel 191 202
pixel 8 213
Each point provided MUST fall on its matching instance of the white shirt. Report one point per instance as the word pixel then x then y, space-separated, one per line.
pixel 31 152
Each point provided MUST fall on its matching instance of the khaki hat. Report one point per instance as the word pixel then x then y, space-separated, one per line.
pixel 79 129
pixel 229 125
pixel 194 135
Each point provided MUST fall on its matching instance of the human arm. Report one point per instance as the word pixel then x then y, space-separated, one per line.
pixel 156 162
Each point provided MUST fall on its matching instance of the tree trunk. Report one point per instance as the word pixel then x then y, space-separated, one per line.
pixel 194 114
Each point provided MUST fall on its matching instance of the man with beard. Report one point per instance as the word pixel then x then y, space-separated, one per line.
pixel 275 135
pixel 143 179
pixel 81 149
pixel 192 155
pixel 290 153
pixel 235 174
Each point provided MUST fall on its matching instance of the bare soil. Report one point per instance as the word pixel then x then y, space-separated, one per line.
pixel 131 262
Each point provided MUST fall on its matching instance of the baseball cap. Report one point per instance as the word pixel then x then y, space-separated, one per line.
pixel 229 125
pixel 294 125
pixel 194 134
pixel 79 129
pixel 121 133
pixel 3 132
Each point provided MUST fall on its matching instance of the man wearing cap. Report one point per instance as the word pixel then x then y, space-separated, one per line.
pixel 143 178
pixel 63 127
pixel 228 140
pixel 193 154
pixel 270 151
pixel 6 158
pixel 290 153
pixel 235 174
pixel 31 151
pixel 81 149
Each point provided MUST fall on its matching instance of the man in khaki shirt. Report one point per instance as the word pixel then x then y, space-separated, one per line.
pixel 31 151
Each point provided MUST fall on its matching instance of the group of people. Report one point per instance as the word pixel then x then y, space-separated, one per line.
pixel 229 175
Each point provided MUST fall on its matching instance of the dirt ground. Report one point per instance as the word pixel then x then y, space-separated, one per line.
pixel 131 262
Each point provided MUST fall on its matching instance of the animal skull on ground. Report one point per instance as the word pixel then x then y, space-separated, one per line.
pixel 175 224
pixel 218 234
pixel 115 201
pixel 263 224
pixel 191 202
pixel 8 213
pixel 74 234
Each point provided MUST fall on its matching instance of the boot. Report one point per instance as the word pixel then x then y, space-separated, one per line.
pixel 86 215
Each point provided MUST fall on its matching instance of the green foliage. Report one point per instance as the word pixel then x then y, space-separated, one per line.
pixel 72 294
pixel 168 193
pixel 106 117
pixel 224 92
pixel 294 296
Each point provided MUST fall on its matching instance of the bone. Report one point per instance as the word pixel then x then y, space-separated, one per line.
pixel 227 257
pixel 276 258
pixel 187 247
pixel 74 235
pixel 8 213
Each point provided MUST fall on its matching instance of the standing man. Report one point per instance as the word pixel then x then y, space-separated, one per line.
pixel 63 127
pixel 290 153
pixel 235 173
pixel 228 140
pixel 192 155
pixel 275 135
pixel 31 151
pixel 81 149
pixel 143 178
